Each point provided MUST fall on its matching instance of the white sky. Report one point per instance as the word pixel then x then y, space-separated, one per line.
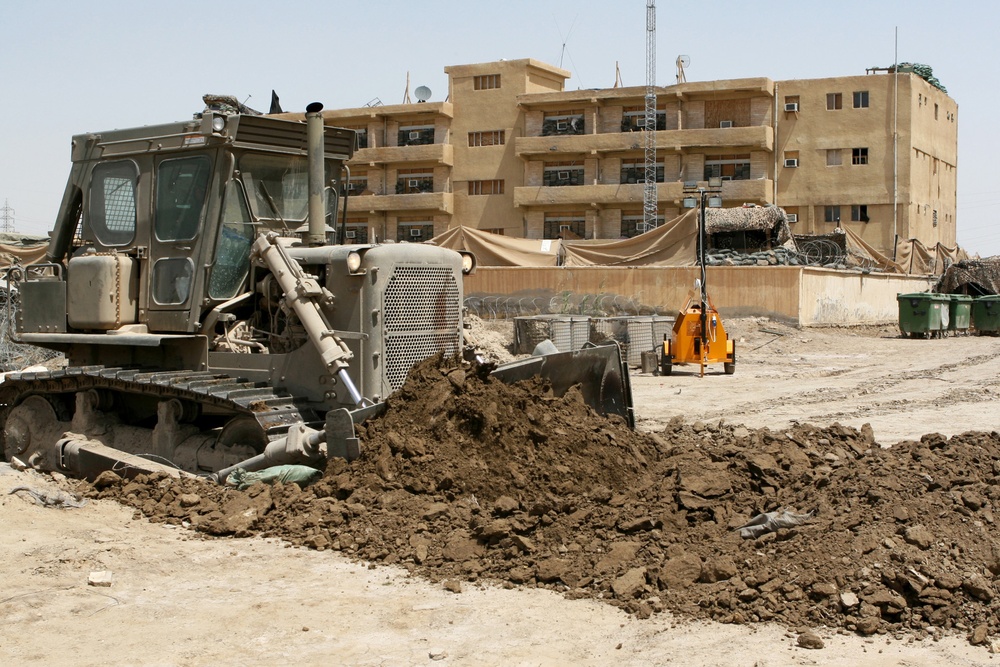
pixel 70 67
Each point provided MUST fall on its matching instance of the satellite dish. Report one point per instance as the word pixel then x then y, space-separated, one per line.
pixel 423 93
pixel 682 62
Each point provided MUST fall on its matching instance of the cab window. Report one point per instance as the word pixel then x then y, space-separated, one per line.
pixel 181 185
pixel 232 250
pixel 111 209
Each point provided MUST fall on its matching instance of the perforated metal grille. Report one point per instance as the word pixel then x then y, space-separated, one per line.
pixel 422 317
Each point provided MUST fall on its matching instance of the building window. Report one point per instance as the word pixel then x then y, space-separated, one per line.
pixel 833 157
pixel 634 223
pixel 834 101
pixel 860 99
pixel 634 119
pixel 499 231
pixel 356 231
pixel 634 171
pixel 565 225
pixel 934 218
pixel 362 138
pixel 935 111
pixel 831 214
pixel 792 103
pixel 490 138
pixel 357 184
pixel 728 167
pixel 859 213
pixel 486 81
pixel 414 229
pixel 415 135
pixel 563 173
pixel 859 156
pixel 486 187
pixel 410 181
pixel 563 122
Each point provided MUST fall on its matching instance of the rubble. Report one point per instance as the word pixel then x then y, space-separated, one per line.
pixel 480 481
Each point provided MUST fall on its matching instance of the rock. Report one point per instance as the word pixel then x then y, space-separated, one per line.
pixel 979 635
pixel 551 569
pixel 705 479
pixel 973 500
pixel 102 579
pixel 620 554
pixel 188 499
pixel 437 654
pixel 889 602
pixel 978 587
pixel 918 536
pixel 106 479
pixel 848 600
pixel 523 543
pixel 947 581
pixel 452 585
pixel 637 524
pixel 629 584
pixel 461 548
pixel 505 505
pixel 718 569
pixel 520 575
pixel 824 590
pixel 868 626
pixel 810 640
pixel 680 572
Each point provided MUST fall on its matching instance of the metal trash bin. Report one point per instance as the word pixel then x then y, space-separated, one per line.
pixel 986 315
pixel 923 314
pixel 959 313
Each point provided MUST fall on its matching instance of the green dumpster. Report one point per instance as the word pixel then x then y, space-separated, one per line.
pixel 986 315
pixel 959 312
pixel 923 314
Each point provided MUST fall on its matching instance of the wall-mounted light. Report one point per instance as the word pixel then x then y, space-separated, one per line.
pixel 715 201
pixel 689 202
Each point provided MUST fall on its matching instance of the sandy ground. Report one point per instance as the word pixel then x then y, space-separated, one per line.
pixel 177 599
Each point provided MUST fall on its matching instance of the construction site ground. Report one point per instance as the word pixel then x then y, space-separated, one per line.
pixel 475 559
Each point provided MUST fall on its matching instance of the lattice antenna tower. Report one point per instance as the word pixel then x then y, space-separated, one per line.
pixel 6 218
pixel 649 129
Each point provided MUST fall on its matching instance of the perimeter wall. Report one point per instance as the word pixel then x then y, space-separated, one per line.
pixel 796 295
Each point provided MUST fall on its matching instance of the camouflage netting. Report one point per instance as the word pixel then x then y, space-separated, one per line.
pixel 975 277
pixel 749 218
pixel 227 104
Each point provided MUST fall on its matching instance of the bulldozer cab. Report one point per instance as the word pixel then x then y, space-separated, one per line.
pixel 157 223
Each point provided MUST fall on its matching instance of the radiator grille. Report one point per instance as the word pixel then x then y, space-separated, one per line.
pixel 422 315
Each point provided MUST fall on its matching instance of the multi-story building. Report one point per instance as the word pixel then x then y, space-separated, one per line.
pixel 511 152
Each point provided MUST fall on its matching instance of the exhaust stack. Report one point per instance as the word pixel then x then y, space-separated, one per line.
pixel 317 177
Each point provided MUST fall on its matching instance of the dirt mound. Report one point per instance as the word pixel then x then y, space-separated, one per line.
pixel 467 479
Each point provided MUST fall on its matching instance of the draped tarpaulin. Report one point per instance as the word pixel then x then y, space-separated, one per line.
pixel 674 243
pixel 496 250
pixel 859 248
pixel 22 248
pixel 916 258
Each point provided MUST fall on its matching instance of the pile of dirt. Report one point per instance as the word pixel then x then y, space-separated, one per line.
pixel 466 479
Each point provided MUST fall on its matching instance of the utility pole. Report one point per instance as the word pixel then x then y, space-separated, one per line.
pixel 6 218
pixel 649 129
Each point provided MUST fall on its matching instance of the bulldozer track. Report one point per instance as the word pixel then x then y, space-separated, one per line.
pixel 237 396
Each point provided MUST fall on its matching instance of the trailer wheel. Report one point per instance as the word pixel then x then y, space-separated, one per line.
pixel 666 367
pixel 729 368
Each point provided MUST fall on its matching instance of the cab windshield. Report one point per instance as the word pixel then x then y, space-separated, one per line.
pixel 277 186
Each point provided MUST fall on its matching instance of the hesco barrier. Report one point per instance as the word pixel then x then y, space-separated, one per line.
pixel 635 334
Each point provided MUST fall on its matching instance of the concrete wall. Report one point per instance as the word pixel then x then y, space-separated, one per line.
pixel 803 296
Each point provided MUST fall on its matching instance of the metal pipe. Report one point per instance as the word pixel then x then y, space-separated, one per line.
pixel 317 186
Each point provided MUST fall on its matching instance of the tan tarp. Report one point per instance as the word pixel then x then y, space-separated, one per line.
pixel 859 249
pixel 916 258
pixel 496 250
pixel 22 248
pixel 673 243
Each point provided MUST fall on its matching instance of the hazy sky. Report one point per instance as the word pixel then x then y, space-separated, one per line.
pixel 70 67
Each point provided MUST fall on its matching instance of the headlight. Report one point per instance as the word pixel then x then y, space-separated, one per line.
pixel 218 124
pixel 468 262
pixel 353 262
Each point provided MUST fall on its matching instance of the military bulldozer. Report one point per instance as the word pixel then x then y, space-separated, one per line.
pixel 209 318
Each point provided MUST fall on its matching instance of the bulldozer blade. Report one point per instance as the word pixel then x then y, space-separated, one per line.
pixel 598 369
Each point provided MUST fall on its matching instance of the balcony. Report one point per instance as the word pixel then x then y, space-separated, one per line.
pixel 440 202
pixel 441 154
pixel 733 192
pixel 750 138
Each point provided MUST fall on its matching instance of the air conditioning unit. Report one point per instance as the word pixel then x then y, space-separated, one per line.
pixel 415 232
pixel 561 125
pixel 792 217
pixel 791 106
pixel 414 135
pixel 350 234
pixel 791 162
pixel 727 178
pixel 726 123
pixel 563 228
pixel 562 175
pixel 414 183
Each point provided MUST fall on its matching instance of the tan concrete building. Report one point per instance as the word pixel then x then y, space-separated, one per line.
pixel 511 152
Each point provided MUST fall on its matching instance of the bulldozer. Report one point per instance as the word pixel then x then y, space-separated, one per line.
pixel 209 317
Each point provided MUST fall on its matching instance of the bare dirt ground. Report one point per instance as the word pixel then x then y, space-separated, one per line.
pixel 179 599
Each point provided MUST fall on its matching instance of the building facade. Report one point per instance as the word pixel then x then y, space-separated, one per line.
pixel 512 152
